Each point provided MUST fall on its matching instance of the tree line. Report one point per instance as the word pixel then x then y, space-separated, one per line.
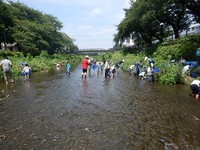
pixel 32 30
pixel 149 20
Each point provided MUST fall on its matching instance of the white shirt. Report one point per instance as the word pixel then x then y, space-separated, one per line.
pixel 196 82
pixel 26 69
pixel 6 64
pixel 131 67
pixel 149 71
pixel 185 68
pixel 106 65
pixel 112 67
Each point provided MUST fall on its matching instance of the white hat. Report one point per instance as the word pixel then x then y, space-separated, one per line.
pixel 86 56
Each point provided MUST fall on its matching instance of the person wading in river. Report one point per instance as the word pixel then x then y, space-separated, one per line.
pixel 85 64
pixel 27 71
pixel 6 67
pixel 195 87
pixel 68 66
pixel 107 69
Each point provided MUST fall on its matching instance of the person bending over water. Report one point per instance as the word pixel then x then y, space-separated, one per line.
pixel 195 87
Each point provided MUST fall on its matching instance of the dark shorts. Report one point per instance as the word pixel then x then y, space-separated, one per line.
pixel 195 89
pixel 113 71
pixel 84 70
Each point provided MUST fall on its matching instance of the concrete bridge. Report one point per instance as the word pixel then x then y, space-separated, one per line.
pixel 93 51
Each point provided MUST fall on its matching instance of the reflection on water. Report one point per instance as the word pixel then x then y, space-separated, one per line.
pixel 85 86
pixel 53 111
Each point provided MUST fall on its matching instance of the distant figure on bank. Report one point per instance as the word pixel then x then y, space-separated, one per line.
pixel 195 87
pixel 143 73
pixel 150 74
pixel 131 69
pixel 58 66
pixel 68 66
pixel 6 67
pixel 27 71
pixel 137 69
pixel 150 61
pixel 185 69
pixel 85 64
pixel 119 64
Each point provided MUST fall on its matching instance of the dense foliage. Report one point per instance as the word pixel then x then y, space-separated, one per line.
pixel 147 21
pixel 184 47
pixel 32 30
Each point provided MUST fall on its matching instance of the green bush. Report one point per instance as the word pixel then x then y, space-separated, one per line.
pixel 44 54
pixel 184 47
pixel 170 51
pixel 171 74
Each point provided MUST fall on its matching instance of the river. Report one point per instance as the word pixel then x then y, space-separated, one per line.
pixel 56 112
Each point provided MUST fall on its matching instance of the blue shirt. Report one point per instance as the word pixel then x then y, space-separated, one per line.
pixel 68 67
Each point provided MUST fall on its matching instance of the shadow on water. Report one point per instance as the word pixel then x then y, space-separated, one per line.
pixel 54 111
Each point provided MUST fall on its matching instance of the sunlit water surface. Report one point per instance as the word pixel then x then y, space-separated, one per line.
pixel 53 111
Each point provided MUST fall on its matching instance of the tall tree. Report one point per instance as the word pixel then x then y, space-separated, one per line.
pixel 33 30
pixel 5 21
pixel 193 6
pixel 148 19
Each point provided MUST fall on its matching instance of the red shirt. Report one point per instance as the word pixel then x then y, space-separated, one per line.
pixel 85 63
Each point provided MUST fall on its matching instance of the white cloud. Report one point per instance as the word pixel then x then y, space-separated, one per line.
pixel 85 27
pixel 95 12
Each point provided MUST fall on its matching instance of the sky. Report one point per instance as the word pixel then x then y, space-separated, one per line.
pixel 91 23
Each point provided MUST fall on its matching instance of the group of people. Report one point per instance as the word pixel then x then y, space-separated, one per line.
pixel 106 65
pixel 137 69
pixel 25 71
pixel 68 66
pixel 142 71
pixel 6 67
pixel 110 70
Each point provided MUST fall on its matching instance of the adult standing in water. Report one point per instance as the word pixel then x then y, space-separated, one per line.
pixel 107 69
pixel 85 64
pixel 6 67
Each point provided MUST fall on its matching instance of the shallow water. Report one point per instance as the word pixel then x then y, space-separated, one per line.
pixel 52 111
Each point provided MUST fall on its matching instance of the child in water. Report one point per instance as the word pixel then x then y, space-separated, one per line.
pixel 26 71
pixel 68 66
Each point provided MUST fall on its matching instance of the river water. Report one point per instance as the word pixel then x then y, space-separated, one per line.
pixel 56 112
